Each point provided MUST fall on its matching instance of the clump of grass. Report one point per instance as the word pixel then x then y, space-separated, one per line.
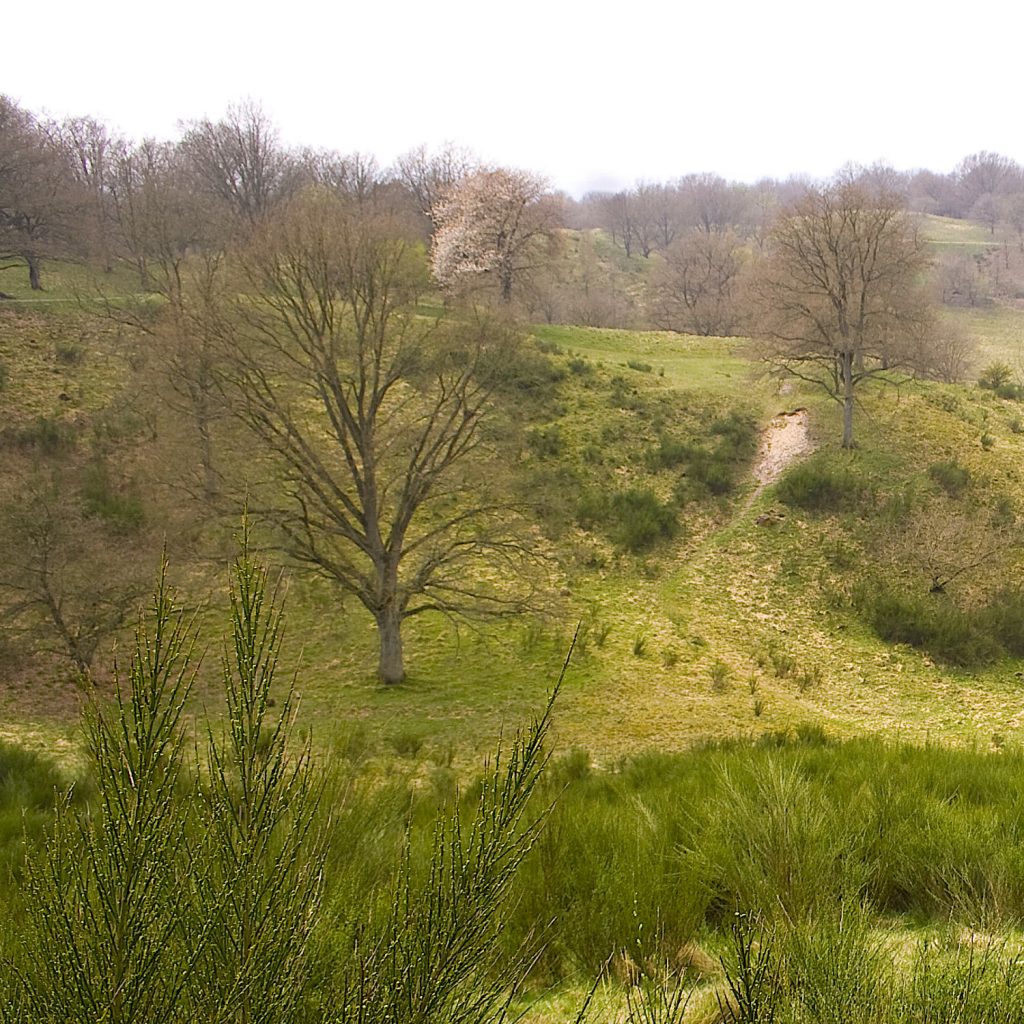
pixel 808 678
pixel 407 741
pixel 69 353
pixel 782 664
pixel 720 675
pixel 670 657
pixel 636 364
pixel 953 478
pixel 639 645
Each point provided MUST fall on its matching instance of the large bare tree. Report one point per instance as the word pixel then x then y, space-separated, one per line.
pixel 372 413
pixel 839 292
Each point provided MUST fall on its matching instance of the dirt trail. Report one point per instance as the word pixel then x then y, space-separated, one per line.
pixel 785 439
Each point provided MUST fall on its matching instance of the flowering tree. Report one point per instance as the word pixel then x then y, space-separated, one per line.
pixel 492 225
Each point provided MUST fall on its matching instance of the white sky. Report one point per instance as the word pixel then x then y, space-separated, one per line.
pixel 592 96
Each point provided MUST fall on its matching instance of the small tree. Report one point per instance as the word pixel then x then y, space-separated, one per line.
pixel 838 295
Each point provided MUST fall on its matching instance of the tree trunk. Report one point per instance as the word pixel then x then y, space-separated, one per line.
pixel 391 667
pixel 846 364
pixel 505 275
pixel 33 272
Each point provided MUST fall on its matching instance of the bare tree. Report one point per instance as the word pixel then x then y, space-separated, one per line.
pixel 495 225
pixel 159 219
pixel 69 577
pixel 695 288
pixel 239 160
pixel 429 177
pixel 372 413
pixel 89 149
pixel 839 291
pixel 38 200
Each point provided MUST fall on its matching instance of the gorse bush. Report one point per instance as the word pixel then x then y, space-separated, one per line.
pixel 932 622
pixel 181 902
pixel 193 892
pixel 712 466
pixel 634 520
pixel 820 485
pixel 995 376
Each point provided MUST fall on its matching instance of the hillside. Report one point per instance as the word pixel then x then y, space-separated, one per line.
pixel 738 623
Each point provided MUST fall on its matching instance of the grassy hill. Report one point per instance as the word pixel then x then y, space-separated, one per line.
pixel 725 627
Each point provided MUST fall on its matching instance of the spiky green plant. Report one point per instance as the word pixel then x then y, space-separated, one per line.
pixel 437 959
pixel 104 901
pixel 258 877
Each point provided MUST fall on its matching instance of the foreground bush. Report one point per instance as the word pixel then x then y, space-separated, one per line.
pixel 193 891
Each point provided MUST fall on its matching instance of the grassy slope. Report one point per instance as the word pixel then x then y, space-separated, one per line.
pixel 727 592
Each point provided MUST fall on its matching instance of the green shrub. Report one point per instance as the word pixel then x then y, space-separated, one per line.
pixel 69 353
pixel 953 478
pixel 120 508
pixel 639 520
pixel 46 434
pixel 546 442
pixel 1003 617
pixel 669 454
pixel 820 486
pixel 634 520
pixel 995 376
pixel 929 622
pixel 636 364
pixel 549 348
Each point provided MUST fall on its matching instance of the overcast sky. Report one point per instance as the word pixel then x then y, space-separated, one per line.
pixel 591 96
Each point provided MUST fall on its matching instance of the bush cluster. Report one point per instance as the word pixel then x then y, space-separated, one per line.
pixel 819 485
pixel 634 519
pixel 963 637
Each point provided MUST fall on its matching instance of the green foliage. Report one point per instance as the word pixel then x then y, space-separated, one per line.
pixel 104 902
pixel 720 673
pixel 545 442
pixel 634 520
pixel 46 434
pixel 819 485
pixel 29 783
pixel 995 375
pixel 638 365
pixel 437 956
pixel 953 478
pixel 120 508
pixel 69 353
pixel 930 622
pixel 177 901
